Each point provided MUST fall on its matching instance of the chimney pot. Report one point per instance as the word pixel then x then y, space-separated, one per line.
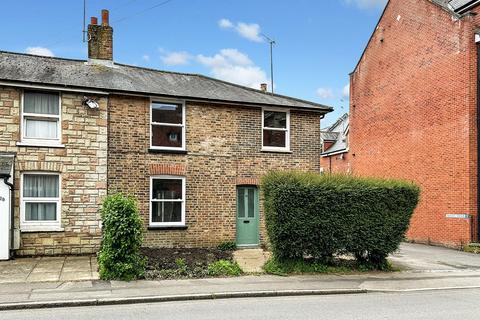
pixel 263 87
pixel 105 18
pixel 93 21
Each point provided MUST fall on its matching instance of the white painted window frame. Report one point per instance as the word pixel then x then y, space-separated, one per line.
pixel 34 226
pixel 286 130
pixel 41 142
pixel 183 201
pixel 182 125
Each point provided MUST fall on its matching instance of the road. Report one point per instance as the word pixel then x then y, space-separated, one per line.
pixel 449 304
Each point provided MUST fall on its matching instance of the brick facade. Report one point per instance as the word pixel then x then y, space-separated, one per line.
pixel 223 150
pixel 81 163
pixel 413 114
pixel 338 163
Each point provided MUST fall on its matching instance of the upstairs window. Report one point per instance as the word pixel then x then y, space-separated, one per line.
pixel 275 130
pixel 167 126
pixel 41 118
pixel 167 201
pixel 40 205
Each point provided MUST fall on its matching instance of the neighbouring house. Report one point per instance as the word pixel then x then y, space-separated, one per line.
pixel 190 148
pixel 334 158
pixel 414 112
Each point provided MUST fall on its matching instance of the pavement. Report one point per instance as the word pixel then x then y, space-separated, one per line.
pixel 251 260
pixel 41 269
pixel 424 268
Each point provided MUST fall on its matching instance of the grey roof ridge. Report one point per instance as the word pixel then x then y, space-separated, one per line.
pixel 324 107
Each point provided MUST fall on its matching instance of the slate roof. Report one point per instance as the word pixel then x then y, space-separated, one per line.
pixel 340 130
pixel 130 79
pixel 6 163
pixel 458 5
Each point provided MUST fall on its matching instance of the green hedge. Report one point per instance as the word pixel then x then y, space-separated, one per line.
pixel 119 257
pixel 323 215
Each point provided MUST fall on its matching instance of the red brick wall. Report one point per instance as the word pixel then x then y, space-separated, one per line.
pixel 413 114
pixel 338 163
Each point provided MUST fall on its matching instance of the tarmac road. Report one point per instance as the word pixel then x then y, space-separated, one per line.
pixel 435 305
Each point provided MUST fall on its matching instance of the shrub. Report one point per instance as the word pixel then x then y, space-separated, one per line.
pixel 227 246
pixel 320 216
pixel 119 257
pixel 224 268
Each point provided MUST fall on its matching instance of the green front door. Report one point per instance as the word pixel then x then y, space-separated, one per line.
pixel 247 216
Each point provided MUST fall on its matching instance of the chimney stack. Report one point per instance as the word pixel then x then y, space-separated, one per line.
pixel 100 39
pixel 263 87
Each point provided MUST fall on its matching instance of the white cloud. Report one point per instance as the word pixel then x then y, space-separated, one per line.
pixel 234 66
pixel 250 31
pixel 365 4
pixel 146 57
pixel 176 58
pixel 325 93
pixel 346 91
pixel 40 51
pixel 225 23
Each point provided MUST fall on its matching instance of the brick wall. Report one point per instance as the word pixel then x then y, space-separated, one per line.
pixel 413 114
pixel 223 144
pixel 338 163
pixel 82 163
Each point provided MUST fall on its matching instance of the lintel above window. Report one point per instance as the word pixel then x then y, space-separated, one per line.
pixel 276 130
pixel 167 125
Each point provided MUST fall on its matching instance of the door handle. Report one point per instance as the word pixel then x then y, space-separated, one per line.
pixel 246 221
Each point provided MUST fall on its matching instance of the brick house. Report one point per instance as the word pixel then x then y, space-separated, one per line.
pixel 414 112
pixel 190 148
pixel 334 157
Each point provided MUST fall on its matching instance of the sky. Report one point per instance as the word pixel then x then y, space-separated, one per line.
pixel 318 42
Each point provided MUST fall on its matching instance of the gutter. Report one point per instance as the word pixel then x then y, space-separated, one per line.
pixel 313 108
pixel 326 154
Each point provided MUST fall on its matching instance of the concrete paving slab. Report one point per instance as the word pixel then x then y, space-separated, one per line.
pixel 75 276
pixel 43 276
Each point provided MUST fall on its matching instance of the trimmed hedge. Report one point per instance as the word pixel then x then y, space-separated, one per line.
pixel 119 257
pixel 323 215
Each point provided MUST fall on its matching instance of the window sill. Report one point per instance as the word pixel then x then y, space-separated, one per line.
pixel 276 151
pixel 25 229
pixel 152 150
pixel 167 227
pixel 39 145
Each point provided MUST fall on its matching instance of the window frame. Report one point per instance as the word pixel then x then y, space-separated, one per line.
pixel 27 115
pixel 182 125
pixel 55 225
pixel 183 202
pixel 286 130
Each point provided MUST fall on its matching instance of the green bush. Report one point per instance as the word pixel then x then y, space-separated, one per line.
pixel 319 216
pixel 119 257
pixel 227 246
pixel 224 268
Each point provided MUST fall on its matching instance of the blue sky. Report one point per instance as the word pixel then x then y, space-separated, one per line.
pixel 318 42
